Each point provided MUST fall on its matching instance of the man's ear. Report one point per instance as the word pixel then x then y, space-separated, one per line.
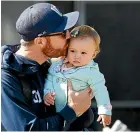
pixel 40 41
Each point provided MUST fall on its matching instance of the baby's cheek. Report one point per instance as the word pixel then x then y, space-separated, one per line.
pixel 85 61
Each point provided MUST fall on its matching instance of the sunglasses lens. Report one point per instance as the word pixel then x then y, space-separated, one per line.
pixel 62 33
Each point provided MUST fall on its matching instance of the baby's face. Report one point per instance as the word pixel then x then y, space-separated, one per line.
pixel 81 51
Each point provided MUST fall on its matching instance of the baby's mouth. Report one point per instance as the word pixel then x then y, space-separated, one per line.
pixel 75 61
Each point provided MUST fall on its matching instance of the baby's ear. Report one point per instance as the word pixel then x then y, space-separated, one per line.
pixel 95 53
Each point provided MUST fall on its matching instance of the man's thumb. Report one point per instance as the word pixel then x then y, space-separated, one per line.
pixel 99 118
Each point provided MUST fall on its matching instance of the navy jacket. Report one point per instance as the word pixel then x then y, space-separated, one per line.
pixel 17 114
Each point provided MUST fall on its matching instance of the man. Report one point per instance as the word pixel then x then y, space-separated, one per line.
pixel 41 27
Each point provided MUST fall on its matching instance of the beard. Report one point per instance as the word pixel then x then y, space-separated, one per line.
pixel 49 51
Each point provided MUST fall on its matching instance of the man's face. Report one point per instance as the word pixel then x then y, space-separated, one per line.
pixel 56 45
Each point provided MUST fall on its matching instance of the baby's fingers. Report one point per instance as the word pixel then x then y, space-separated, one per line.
pixel 46 103
pixel 50 101
pixel 108 122
pixel 104 123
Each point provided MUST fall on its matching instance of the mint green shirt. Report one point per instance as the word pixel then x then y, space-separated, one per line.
pixel 81 78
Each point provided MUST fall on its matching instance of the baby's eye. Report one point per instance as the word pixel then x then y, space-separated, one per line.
pixel 72 51
pixel 84 53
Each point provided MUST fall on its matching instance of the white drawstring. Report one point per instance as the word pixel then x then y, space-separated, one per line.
pixel 64 123
pixel 47 126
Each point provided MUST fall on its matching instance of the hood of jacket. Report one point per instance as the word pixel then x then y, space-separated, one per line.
pixel 17 63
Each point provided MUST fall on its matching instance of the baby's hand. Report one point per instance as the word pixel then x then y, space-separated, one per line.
pixel 49 99
pixel 104 119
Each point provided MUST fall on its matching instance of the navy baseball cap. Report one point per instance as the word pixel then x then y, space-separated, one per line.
pixel 43 19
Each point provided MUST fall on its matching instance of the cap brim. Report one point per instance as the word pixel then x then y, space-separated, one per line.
pixel 70 19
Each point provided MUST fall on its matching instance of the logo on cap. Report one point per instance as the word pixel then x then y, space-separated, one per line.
pixel 56 10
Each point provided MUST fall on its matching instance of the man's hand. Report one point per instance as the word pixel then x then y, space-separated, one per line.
pixel 79 101
pixel 49 99
pixel 104 119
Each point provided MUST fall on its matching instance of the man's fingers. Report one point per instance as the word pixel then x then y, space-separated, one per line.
pixel 85 92
pixel 99 118
pixel 69 85
pixel 89 90
pixel 91 95
pixel 104 122
pixel 108 122
pixel 101 122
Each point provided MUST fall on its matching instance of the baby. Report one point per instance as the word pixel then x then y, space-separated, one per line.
pixel 79 67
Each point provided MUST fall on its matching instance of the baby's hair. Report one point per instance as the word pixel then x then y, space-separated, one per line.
pixel 86 31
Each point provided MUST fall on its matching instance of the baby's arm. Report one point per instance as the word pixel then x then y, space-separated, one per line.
pixel 49 93
pixel 97 83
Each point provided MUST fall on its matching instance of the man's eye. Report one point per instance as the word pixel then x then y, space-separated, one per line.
pixel 84 53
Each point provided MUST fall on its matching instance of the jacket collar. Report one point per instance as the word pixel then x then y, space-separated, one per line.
pixel 15 62
pixel 74 69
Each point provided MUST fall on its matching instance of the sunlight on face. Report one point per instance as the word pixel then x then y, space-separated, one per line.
pixel 81 51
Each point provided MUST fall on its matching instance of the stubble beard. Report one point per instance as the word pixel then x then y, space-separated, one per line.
pixel 49 51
